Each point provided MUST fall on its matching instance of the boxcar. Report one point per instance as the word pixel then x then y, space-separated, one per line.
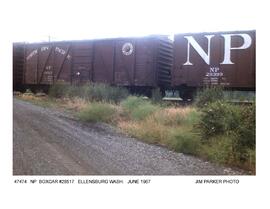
pixel 220 58
pixel 18 65
pixel 137 63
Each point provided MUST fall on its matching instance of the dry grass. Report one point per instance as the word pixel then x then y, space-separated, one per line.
pixel 172 127
pixel 30 97
pixel 160 127
pixel 172 116
pixel 145 130
pixel 98 112
pixel 76 104
pixel 42 101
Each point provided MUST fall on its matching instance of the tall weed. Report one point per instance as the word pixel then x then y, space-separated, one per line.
pixel 97 112
pixel 209 95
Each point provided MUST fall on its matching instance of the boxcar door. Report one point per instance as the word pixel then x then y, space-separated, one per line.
pixel 124 62
pixel 103 61
pixel 82 58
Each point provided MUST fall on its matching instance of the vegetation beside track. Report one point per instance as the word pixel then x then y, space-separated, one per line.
pixel 211 128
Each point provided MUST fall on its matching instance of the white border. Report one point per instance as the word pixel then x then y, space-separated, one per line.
pixel 31 18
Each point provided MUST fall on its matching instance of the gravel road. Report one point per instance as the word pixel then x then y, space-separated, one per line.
pixel 50 142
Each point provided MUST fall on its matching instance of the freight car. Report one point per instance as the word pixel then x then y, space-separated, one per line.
pixel 139 64
pixel 221 58
pixel 191 61
pixel 18 65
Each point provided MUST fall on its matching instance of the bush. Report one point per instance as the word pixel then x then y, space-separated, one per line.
pixel 220 149
pixel 186 142
pixel 131 103
pixel 221 118
pixel 76 91
pixel 225 150
pixel 229 133
pixel 239 95
pixel 169 118
pixel 97 112
pixel 218 118
pixel 143 111
pixel 138 108
pixel 58 90
pixel 192 118
pixel 146 130
pixel 208 95
pixel 247 127
pixel 115 94
pixel 251 160
pixel 177 116
pixel 91 92
pixel 100 92
pixel 104 92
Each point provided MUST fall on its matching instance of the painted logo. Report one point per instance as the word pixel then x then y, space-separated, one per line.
pixel 127 49
pixel 247 41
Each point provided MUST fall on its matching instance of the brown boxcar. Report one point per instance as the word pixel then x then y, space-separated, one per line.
pixel 132 62
pixel 220 58
pixel 18 65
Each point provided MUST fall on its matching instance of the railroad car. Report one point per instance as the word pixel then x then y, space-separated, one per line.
pixel 220 58
pixel 191 61
pixel 18 65
pixel 137 63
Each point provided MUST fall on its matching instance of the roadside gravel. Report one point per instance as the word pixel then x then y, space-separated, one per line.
pixel 50 142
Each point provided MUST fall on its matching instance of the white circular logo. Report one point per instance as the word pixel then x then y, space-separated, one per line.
pixel 127 49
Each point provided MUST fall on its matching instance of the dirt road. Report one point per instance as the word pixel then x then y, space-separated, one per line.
pixel 49 142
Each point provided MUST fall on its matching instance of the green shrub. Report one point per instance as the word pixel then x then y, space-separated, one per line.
pixel 138 108
pixel 84 92
pixel 91 92
pixel 132 102
pixel 75 91
pixel 117 94
pixel 104 92
pixel 166 119
pixel 209 95
pixel 147 130
pixel 58 90
pixel 247 127
pixel 251 160
pixel 224 149
pixel 186 142
pixel 228 133
pixel 143 110
pixel 220 149
pixel 219 117
pixel 100 92
pixel 97 112
pixel 192 118
pixel 239 95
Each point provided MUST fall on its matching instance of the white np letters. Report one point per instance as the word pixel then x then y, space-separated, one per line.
pixel 198 48
pixel 206 56
pixel 228 47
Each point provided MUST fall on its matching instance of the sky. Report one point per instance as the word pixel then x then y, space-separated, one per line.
pixel 32 21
